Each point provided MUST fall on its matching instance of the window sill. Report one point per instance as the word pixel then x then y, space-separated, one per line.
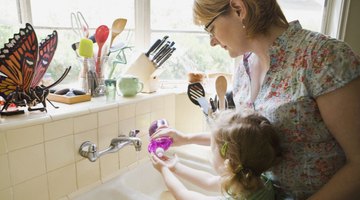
pixel 64 111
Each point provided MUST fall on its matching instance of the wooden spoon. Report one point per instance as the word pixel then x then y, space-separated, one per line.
pixel 117 27
pixel 221 87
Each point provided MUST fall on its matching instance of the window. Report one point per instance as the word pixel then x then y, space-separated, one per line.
pixel 8 9
pixel 95 13
pixel 195 52
pixel 46 17
pixel 192 43
pixel 148 20
pixel 308 12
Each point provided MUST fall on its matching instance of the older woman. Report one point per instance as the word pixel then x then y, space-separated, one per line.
pixel 306 83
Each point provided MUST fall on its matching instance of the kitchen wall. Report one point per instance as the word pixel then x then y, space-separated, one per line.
pixel 352 35
pixel 41 161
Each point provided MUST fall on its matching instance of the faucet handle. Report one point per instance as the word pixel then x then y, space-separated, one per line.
pixel 133 133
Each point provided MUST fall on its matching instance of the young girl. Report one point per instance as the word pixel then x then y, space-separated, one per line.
pixel 243 148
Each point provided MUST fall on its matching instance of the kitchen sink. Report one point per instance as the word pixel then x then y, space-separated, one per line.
pixel 143 182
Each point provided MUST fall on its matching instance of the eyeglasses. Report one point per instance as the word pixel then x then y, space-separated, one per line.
pixel 207 27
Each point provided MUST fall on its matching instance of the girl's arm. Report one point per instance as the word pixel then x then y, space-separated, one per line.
pixel 174 185
pixel 203 179
pixel 179 191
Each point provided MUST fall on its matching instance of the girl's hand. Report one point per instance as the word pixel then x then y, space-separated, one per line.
pixel 160 163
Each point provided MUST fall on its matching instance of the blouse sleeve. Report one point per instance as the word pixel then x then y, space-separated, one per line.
pixel 334 65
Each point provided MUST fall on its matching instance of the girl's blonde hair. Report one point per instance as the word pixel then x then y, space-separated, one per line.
pixel 261 14
pixel 250 146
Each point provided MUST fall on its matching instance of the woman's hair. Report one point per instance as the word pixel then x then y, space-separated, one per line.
pixel 261 14
pixel 249 145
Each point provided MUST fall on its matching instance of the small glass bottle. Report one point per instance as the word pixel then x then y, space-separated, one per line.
pixel 159 145
pixel 110 89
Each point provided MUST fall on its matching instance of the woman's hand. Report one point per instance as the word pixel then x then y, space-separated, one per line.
pixel 164 161
pixel 178 137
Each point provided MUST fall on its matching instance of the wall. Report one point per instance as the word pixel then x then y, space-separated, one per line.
pixel 41 161
pixel 189 117
pixel 352 34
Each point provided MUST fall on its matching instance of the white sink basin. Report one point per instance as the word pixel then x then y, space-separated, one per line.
pixel 142 183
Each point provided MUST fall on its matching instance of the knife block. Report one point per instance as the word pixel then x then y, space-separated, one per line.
pixel 144 69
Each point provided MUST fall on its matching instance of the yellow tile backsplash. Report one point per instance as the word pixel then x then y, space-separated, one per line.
pixel 58 129
pixel 156 103
pixel 5 180
pixel 109 164
pixel 85 122
pixel 59 152
pixel 108 117
pixel 106 133
pixel 87 172
pixel 142 122
pixel 33 189
pixel 41 160
pixel 126 125
pixel 24 137
pixel 27 163
pixel 143 107
pixel 128 156
pixel 6 194
pixel 3 145
pixel 127 111
pixel 62 181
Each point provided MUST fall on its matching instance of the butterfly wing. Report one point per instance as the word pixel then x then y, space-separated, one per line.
pixel 46 53
pixel 17 61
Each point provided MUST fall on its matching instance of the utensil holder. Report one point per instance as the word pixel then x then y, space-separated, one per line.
pixel 144 69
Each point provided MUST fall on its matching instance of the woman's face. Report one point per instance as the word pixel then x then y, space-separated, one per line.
pixel 216 160
pixel 228 32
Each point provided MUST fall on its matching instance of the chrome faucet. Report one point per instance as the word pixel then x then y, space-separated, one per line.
pixel 89 150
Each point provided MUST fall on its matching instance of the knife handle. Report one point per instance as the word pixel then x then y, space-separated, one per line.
pixel 161 43
pixel 153 47
pixel 162 49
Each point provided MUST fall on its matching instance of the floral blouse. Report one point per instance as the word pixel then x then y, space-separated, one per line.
pixel 303 66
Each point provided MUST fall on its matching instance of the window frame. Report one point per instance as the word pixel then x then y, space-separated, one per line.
pixel 335 17
pixel 334 21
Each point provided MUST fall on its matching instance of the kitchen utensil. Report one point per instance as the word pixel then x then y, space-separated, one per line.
pixel 117 27
pixel 86 48
pixel 101 35
pixel 164 52
pixel 153 47
pixel 212 104
pixel 162 49
pixel 75 47
pixel 79 24
pixel 196 94
pixel 165 57
pixel 221 87
pixel 161 43
pixel 86 51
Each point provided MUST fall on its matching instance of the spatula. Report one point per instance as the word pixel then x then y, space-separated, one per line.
pixel 196 94
pixel 221 87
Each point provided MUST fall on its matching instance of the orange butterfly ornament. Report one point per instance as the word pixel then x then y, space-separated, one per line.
pixel 23 64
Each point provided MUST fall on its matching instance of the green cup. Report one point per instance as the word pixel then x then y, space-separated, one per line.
pixel 129 85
